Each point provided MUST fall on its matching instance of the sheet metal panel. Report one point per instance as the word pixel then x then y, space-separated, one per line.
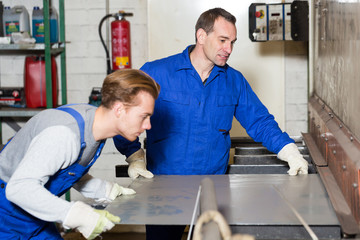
pixel 336 60
pixel 242 199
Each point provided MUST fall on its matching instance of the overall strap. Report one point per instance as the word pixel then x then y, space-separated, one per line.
pixel 80 121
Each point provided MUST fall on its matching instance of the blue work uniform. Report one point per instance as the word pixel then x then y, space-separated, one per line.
pixel 15 223
pixel 192 120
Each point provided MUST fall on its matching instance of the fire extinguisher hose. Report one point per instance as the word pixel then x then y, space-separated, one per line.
pixel 103 43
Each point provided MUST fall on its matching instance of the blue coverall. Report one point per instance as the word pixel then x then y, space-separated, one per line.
pixel 191 121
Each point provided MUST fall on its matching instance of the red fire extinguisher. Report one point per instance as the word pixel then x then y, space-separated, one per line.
pixel 120 41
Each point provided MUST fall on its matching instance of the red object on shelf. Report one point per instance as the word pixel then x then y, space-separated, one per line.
pixel 35 82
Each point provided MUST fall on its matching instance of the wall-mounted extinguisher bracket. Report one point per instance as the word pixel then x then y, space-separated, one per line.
pixel 120 42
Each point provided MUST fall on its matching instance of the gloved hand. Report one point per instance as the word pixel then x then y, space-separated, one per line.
pixel 88 221
pixel 290 153
pixel 137 165
pixel 113 190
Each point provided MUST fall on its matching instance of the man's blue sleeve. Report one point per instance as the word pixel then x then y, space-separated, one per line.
pixel 126 147
pixel 258 122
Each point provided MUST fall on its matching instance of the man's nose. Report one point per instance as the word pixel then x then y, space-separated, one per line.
pixel 147 124
pixel 228 47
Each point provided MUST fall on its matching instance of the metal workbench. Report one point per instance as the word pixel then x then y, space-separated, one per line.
pixel 251 203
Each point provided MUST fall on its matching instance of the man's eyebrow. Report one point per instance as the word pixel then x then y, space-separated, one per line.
pixel 228 38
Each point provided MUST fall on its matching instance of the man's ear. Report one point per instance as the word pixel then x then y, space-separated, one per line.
pixel 118 108
pixel 201 35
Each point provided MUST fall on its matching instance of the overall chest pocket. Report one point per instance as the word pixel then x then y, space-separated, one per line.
pixel 173 109
pixel 224 113
pixel 176 98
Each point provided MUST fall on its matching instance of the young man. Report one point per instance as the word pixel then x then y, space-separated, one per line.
pixel 55 150
pixel 194 112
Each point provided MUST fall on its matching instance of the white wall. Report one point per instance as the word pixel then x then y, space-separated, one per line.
pixel 296 87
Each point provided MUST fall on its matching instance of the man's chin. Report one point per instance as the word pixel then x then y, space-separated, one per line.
pixel 131 139
pixel 221 64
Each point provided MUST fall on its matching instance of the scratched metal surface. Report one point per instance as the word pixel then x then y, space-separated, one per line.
pixel 242 199
pixel 336 60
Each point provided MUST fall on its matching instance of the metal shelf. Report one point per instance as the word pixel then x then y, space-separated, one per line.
pixel 19 112
pixel 47 49
pixel 24 49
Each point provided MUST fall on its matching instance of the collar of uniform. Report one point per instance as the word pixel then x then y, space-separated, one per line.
pixel 185 63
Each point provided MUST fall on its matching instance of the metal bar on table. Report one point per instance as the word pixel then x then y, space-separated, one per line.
pixel 194 213
pixel 208 202
pixel 301 219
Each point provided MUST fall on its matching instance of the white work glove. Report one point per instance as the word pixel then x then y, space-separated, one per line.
pixel 113 190
pixel 137 165
pixel 290 154
pixel 88 221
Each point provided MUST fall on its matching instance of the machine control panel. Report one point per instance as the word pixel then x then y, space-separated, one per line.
pixel 259 32
pixel 272 22
pixel 287 22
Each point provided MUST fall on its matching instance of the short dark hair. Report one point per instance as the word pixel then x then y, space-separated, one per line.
pixel 123 85
pixel 207 19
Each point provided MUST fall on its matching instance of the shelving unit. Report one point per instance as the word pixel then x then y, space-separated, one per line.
pixel 26 49
pixel 47 49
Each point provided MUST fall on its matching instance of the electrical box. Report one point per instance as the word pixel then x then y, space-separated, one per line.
pixel 273 22
pixel 287 22
pixel 258 25
pixel 300 21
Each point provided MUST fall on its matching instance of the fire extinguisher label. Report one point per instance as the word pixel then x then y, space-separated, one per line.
pixel 122 61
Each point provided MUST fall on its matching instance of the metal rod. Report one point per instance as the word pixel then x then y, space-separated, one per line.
pixel 194 213
pixel 208 196
pixel 210 231
pixel 307 227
